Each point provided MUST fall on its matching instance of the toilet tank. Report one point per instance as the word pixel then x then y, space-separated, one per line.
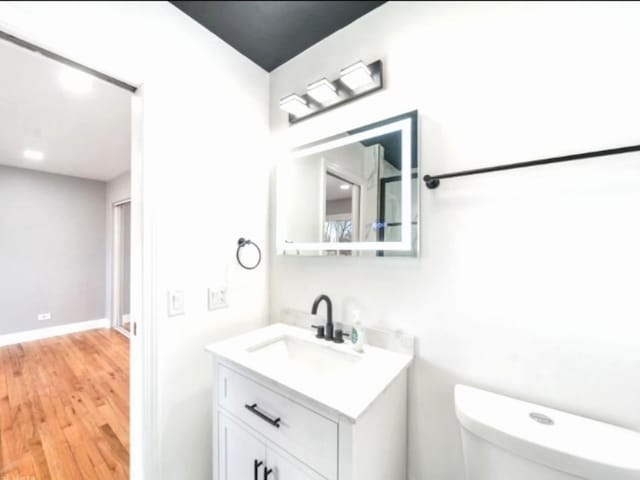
pixel 508 439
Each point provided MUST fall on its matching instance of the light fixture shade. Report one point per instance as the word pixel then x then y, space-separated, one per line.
pixel 356 76
pixel 322 91
pixel 295 105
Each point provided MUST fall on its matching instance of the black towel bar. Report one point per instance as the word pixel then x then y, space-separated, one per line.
pixel 433 181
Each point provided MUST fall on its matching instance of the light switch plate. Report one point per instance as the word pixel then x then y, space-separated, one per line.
pixel 218 298
pixel 176 303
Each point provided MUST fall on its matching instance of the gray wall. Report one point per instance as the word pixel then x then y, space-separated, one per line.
pixel 335 207
pixel 52 249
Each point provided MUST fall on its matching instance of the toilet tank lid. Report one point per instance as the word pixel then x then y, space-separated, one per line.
pixel 572 444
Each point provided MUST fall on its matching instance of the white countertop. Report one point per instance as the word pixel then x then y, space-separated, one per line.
pixel 349 393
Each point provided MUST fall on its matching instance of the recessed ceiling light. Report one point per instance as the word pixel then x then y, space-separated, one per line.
pixel 356 76
pixel 323 91
pixel 295 105
pixel 34 155
pixel 76 81
pixel 345 186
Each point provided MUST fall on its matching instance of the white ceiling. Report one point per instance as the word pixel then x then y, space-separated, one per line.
pixel 84 135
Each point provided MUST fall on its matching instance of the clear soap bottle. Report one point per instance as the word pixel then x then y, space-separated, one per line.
pixel 357 334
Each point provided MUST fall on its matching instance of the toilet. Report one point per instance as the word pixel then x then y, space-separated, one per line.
pixel 508 439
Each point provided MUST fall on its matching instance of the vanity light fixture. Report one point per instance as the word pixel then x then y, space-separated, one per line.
pixel 295 105
pixel 35 155
pixel 323 91
pixel 356 76
pixel 345 186
pixel 355 81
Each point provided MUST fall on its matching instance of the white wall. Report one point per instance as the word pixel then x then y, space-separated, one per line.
pixel 528 280
pixel 205 184
pixel 52 247
pixel 118 189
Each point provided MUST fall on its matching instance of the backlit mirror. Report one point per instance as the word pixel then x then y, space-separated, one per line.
pixel 352 194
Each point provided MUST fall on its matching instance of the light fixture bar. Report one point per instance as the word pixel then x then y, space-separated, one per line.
pixel 356 81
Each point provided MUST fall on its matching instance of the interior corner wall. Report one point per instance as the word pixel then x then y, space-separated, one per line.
pixel 52 249
pixel 118 189
pixel 527 282
pixel 205 142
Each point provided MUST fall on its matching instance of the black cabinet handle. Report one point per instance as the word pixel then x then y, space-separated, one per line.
pixel 256 465
pixel 267 473
pixel 254 409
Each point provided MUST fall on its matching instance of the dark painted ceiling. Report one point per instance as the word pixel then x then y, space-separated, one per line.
pixel 270 33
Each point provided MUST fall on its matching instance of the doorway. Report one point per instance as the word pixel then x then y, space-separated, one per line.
pixel 121 292
pixel 71 156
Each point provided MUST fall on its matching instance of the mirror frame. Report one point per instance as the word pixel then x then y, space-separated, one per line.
pixel 407 125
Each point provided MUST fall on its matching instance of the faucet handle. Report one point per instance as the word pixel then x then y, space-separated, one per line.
pixel 320 328
pixel 338 337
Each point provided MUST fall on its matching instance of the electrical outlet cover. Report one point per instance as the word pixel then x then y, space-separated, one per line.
pixel 44 316
pixel 217 298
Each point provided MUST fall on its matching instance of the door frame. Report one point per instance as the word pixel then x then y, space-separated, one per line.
pixel 116 277
pixel 143 380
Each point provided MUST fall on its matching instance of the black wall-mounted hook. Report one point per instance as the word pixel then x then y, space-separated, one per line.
pixel 243 242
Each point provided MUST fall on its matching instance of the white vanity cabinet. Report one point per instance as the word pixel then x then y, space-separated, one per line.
pixel 284 469
pixel 298 439
pixel 271 424
pixel 242 455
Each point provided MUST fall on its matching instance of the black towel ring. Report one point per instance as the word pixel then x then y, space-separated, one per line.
pixel 243 242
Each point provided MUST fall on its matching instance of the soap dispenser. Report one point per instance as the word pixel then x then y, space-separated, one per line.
pixel 357 334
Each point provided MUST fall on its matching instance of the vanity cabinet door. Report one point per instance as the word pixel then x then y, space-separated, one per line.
pixel 306 435
pixel 284 469
pixel 242 456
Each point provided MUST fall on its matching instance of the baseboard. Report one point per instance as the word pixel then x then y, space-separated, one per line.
pixel 48 332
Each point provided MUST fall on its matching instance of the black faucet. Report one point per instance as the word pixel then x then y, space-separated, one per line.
pixel 325 332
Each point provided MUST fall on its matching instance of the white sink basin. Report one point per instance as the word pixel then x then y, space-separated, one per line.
pixel 328 373
pixel 300 357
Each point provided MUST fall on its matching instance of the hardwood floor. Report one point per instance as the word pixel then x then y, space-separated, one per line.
pixel 64 408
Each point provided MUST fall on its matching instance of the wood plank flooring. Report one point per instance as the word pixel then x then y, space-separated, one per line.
pixel 64 408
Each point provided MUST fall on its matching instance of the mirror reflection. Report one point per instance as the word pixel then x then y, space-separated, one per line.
pixel 355 194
